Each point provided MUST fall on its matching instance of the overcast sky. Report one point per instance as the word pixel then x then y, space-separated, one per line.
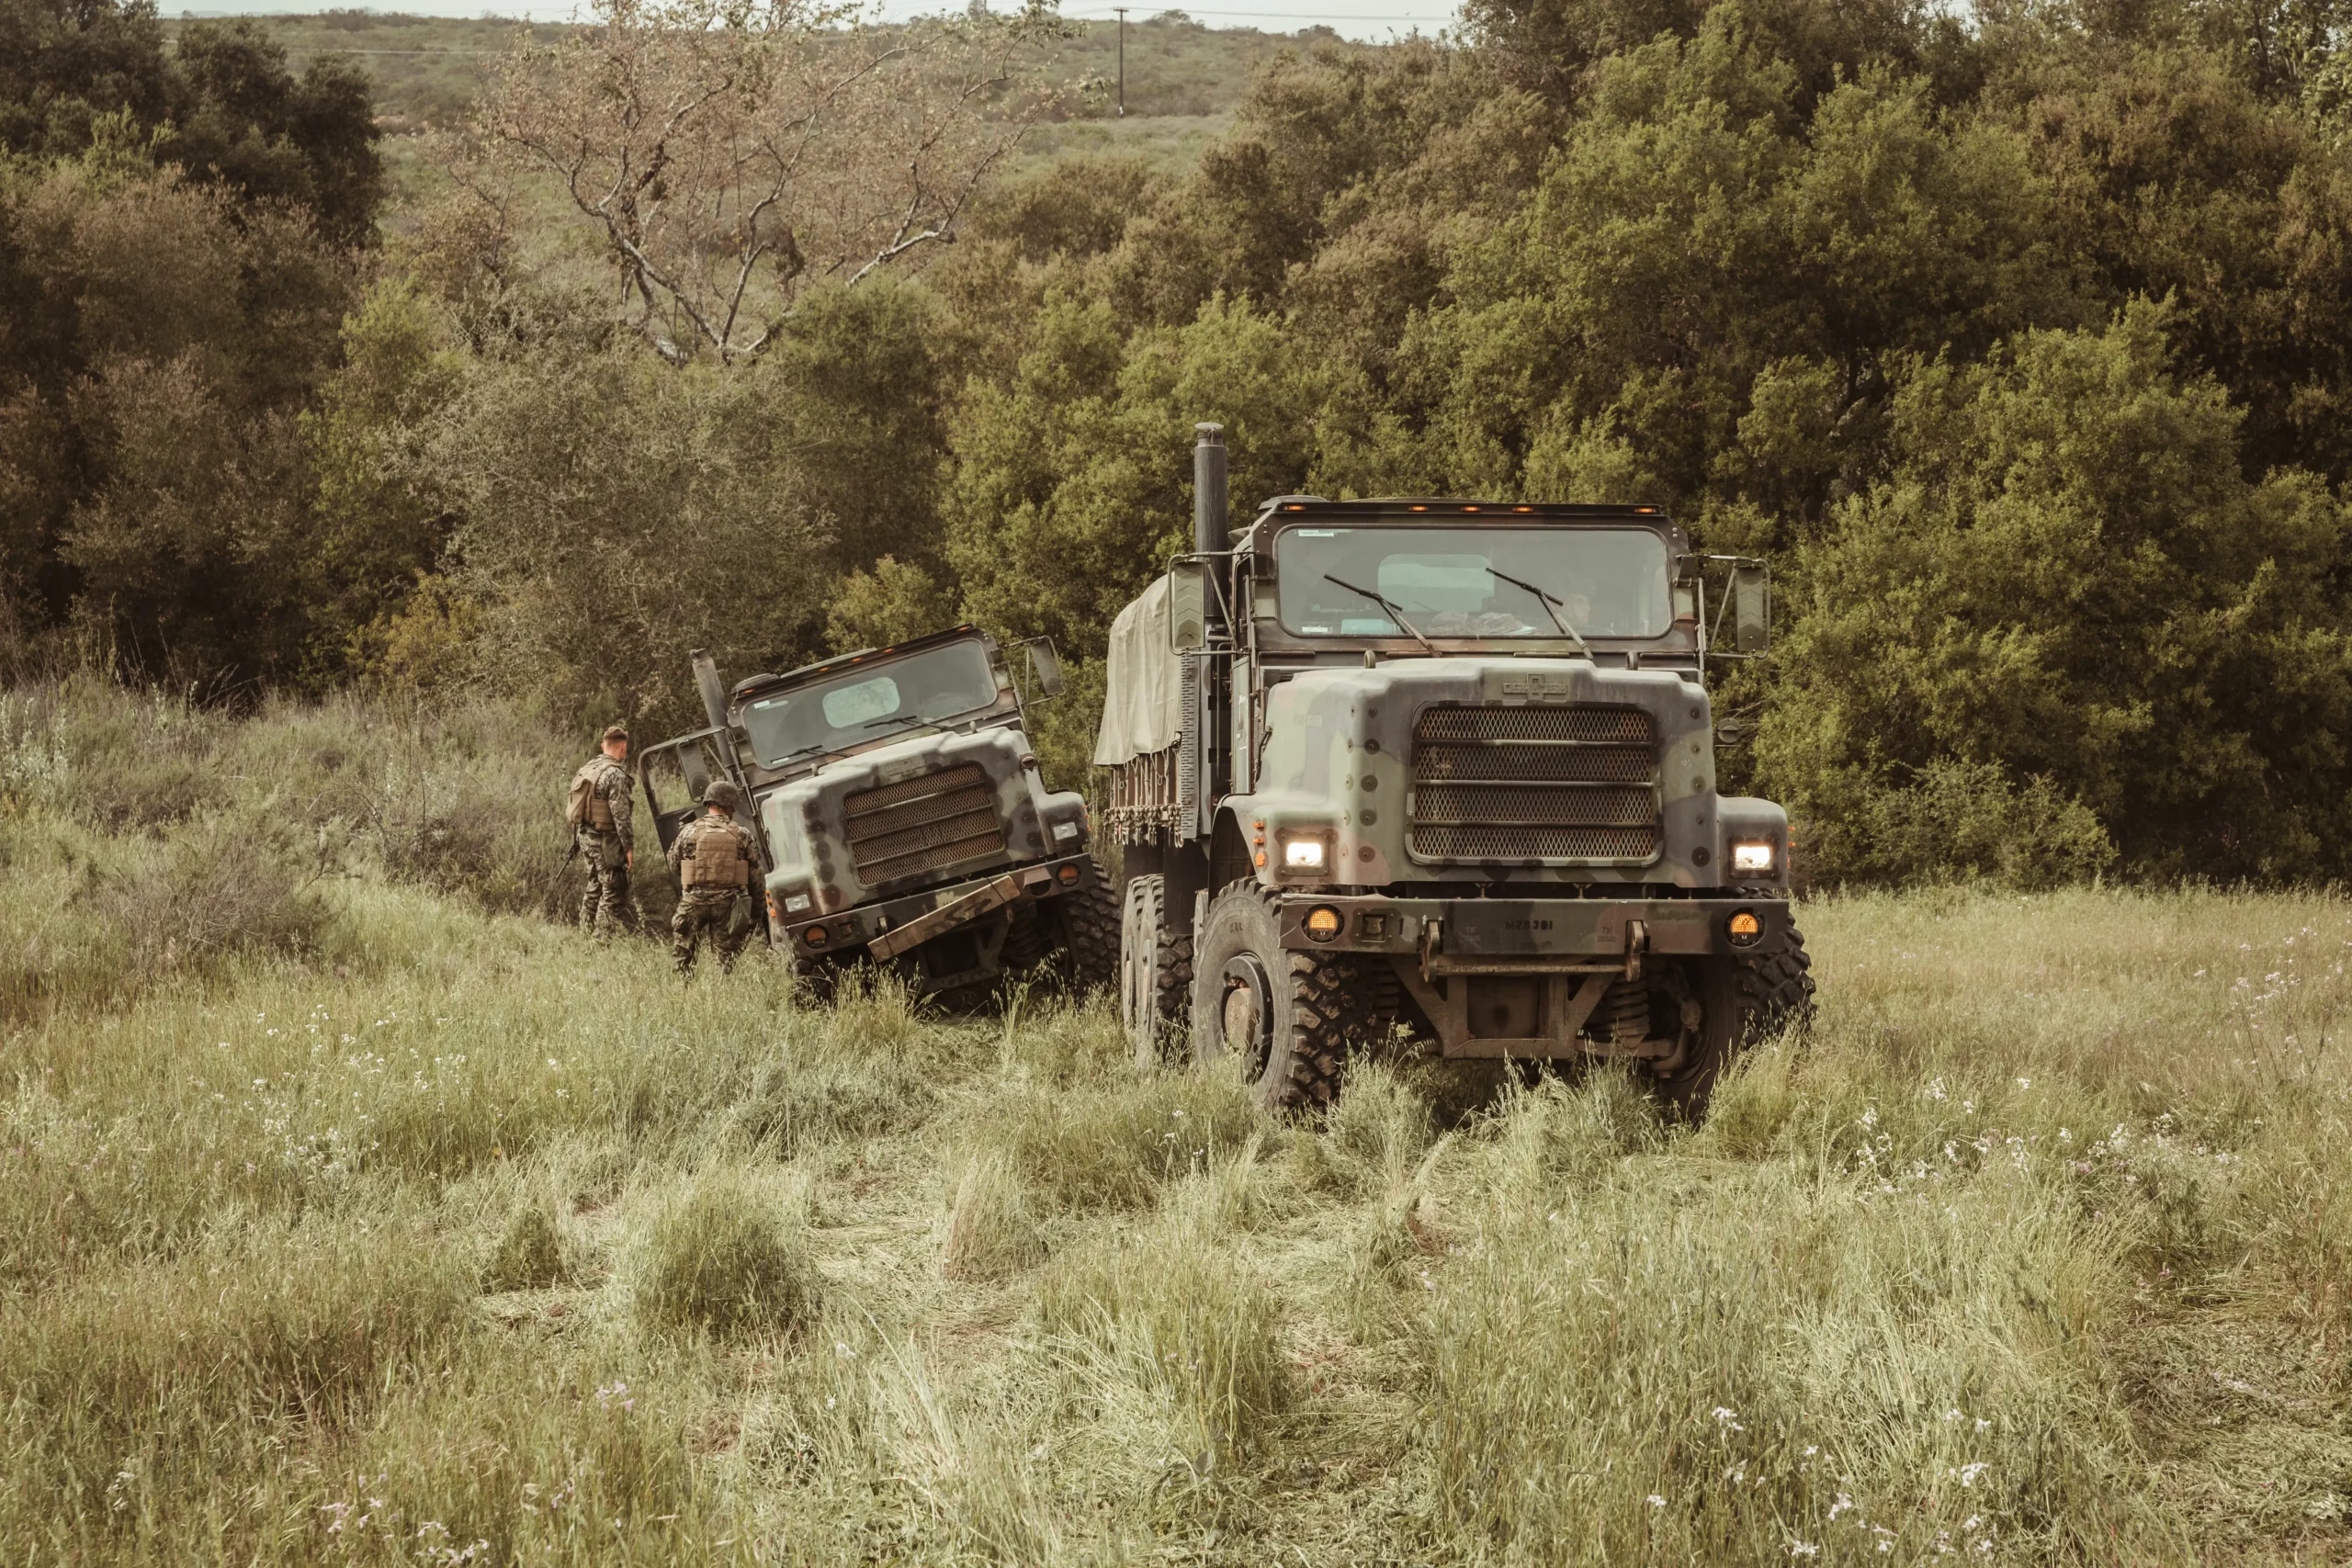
pixel 1369 19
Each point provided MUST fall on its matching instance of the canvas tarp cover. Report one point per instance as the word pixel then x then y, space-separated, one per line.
pixel 1142 708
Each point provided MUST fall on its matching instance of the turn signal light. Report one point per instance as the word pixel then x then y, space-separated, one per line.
pixel 1067 876
pixel 1323 923
pixel 814 936
pixel 1744 929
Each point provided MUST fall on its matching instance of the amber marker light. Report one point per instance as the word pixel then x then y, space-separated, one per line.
pixel 1067 876
pixel 1744 929
pixel 814 936
pixel 1323 923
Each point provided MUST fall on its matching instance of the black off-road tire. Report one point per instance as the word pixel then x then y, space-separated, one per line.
pixel 1321 1005
pixel 1089 922
pixel 1746 997
pixel 817 978
pixel 1155 970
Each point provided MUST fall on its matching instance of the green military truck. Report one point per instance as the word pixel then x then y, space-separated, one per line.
pixel 900 815
pixel 1441 764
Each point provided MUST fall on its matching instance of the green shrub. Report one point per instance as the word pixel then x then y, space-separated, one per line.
pixel 729 1257
pixel 222 884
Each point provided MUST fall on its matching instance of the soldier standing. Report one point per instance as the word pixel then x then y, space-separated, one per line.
pixel 713 858
pixel 599 812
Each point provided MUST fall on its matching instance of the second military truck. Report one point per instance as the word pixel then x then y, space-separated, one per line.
pixel 900 815
pixel 1442 766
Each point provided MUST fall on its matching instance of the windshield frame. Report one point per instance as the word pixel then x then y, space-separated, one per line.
pixel 842 674
pixel 1270 610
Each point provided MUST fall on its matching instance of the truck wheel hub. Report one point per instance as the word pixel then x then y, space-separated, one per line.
pixel 1249 1013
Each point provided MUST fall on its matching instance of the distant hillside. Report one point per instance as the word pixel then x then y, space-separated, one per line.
pixel 427 68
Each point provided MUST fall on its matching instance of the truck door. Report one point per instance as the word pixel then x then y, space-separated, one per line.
pixel 673 774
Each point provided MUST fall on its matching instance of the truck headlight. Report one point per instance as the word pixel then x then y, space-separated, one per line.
pixel 1302 854
pixel 795 902
pixel 1751 857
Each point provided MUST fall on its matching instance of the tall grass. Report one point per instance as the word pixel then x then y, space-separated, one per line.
pixel 440 1230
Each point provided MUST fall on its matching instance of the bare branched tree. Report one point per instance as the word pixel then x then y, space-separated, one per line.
pixel 736 153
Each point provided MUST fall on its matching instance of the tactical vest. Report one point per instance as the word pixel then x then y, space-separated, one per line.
pixel 588 806
pixel 717 856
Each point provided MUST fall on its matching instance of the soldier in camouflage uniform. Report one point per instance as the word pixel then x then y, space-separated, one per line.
pixel 600 810
pixel 714 859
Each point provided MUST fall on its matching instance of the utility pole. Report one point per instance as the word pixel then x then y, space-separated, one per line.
pixel 1123 60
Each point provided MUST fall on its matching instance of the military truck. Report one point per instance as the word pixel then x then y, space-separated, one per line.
pixel 900 815
pixel 1447 766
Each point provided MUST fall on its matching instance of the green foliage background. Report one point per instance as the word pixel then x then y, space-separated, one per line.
pixel 2020 340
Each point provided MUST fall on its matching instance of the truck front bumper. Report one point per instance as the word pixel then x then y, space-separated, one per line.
pixel 848 933
pixel 1522 977
pixel 1532 936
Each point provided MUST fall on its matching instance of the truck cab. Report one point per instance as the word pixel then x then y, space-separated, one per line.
pixel 1446 767
pixel 900 814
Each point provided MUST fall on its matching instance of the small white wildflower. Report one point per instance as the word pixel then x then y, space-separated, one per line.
pixel 1656 1500
pixel 1803 1549
pixel 1969 1473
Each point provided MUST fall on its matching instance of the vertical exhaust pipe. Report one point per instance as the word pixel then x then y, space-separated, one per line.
pixel 713 694
pixel 1210 530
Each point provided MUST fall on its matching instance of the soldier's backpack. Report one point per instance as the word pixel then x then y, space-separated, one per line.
pixel 585 805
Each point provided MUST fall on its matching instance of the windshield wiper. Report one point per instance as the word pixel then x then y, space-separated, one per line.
pixel 1395 614
pixel 897 718
pixel 1547 601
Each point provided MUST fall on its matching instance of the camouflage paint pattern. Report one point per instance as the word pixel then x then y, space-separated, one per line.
pixel 804 820
pixel 1338 757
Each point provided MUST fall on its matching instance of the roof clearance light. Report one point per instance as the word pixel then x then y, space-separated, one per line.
pixel 1522 509
pixel 1417 509
pixel 1469 509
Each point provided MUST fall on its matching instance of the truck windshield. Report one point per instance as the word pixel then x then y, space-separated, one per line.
pixel 869 702
pixel 1455 581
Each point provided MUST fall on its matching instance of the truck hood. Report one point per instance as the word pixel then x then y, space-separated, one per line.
pixel 868 827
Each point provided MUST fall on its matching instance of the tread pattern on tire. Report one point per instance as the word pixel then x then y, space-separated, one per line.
pixel 1170 953
pixel 1775 989
pixel 1091 930
pixel 1333 1013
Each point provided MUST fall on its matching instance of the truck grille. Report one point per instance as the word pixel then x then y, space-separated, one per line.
pixel 922 825
pixel 1536 784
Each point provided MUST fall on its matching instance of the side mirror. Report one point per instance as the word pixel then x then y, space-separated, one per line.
pixel 1188 618
pixel 1751 609
pixel 1045 667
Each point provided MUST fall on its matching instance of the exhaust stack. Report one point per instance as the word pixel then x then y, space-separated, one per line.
pixel 1210 536
pixel 713 693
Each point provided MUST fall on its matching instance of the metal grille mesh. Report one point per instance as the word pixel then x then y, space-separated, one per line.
pixel 1536 784
pixel 1586 722
pixel 1507 804
pixel 1536 765
pixel 1431 842
pixel 923 824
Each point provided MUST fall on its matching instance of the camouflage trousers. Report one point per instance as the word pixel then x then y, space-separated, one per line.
pixel 707 912
pixel 607 902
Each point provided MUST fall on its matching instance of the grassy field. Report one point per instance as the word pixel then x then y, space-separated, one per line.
pixel 428 69
pixel 398 1230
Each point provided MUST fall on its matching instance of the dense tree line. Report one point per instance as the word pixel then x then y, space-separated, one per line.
pixel 2021 343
